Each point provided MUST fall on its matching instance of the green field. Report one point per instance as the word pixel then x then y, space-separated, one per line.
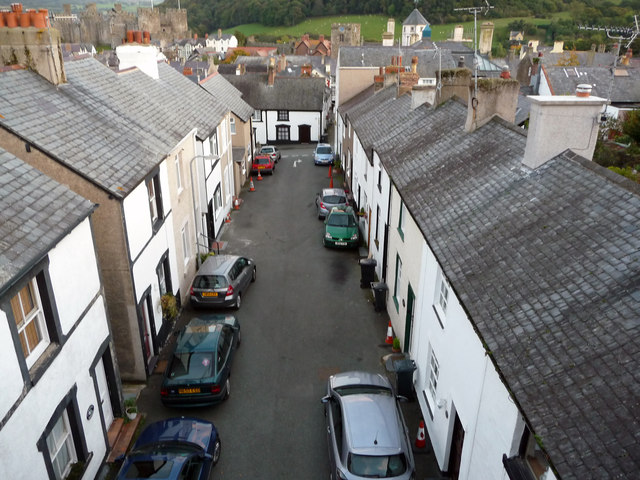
pixel 373 26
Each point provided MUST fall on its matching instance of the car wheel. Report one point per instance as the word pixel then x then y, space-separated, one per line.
pixel 216 451
pixel 227 389
pixel 254 274
pixel 238 302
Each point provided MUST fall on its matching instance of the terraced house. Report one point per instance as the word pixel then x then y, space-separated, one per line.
pixel 511 261
pixel 148 146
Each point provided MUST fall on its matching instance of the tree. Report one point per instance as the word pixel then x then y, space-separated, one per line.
pixel 241 37
pixel 631 125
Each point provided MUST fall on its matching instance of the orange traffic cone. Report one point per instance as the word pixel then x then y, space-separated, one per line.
pixel 421 440
pixel 329 171
pixel 259 176
pixel 236 204
pixel 228 219
pixel 251 187
pixel 389 339
pixel 331 183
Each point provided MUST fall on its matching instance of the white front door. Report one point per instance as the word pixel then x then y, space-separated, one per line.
pixel 103 393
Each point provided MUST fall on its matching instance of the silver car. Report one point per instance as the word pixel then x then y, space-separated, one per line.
pixel 272 151
pixel 329 198
pixel 366 433
pixel 222 280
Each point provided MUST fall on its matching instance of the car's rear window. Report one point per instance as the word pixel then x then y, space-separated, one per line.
pixel 322 150
pixel 210 282
pixel 362 390
pixel 266 150
pixel 334 199
pixel 341 220
pixel 149 469
pixel 261 161
pixel 191 366
pixel 377 466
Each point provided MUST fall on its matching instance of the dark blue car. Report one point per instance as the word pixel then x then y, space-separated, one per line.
pixel 176 448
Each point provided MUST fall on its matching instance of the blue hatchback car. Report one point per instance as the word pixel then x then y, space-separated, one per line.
pixel 323 154
pixel 175 448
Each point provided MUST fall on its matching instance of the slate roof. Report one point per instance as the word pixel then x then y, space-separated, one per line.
pixel 415 18
pixel 287 93
pixel 378 56
pixel 624 89
pixel 36 212
pixel 544 262
pixel 228 95
pixel 111 128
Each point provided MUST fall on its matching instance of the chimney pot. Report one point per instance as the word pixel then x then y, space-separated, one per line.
pixel 583 90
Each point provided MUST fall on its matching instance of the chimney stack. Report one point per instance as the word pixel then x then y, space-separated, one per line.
pixel 494 97
pixel 271 76
pixel 143 57
pixel 558 123
pixel 219 33
pixel 27 41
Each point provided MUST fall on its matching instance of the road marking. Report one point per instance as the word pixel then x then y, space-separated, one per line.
pixel 295 162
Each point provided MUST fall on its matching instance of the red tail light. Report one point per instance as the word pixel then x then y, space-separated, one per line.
pixel 229 291
pixel 215 389
pixel 164 392
pixel 191 291
pixel 322 205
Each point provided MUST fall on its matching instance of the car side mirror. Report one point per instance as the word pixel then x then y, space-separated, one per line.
pixel 402 398
pixel 326 399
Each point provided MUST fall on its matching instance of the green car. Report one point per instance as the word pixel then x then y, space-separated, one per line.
pixel 341 229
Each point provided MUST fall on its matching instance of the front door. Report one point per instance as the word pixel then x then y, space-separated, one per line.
pixel 457 442
pixel 304 133
pixel 408 331
pixel 103 393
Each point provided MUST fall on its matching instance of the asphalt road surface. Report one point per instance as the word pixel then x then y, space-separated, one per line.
pixel 304 318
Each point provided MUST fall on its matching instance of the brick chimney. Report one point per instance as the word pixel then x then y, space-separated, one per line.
pixel 271 76
pixel 558 123
pixel 26 41
pixel 219 33
pixel 305 70
pixel 494 97
pixel 321 38
pixel 282 64
pixel 455 83
pixel 406 80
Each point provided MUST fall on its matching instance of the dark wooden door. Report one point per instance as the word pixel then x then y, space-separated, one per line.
pixel 304 133
pixel 456 449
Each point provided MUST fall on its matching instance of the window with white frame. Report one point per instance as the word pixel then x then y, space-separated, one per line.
pixel 401 220
pixel 214 144
pixel 178 162
pixel 61 448
pixel 443 297
pixel 283 115
pixel 396 286
pixel 155 199
pixel 185 242
pixel 232 125
pixel 30 321
pixel 217 199
pixel 434 372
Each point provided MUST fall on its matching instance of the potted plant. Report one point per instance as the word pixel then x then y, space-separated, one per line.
pixel 169 307
pixel 130 408
pixel 395 347
pixel 362 213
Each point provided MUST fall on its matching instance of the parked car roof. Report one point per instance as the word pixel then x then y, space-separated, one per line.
pixel 217 264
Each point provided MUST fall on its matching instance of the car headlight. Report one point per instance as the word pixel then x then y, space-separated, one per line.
pixel 354 236
pixel 327 235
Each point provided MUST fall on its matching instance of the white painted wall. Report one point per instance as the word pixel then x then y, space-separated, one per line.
pixel 74 277
pixel 409 247
pixel 379 198
pixel 295 118
pixel 25 425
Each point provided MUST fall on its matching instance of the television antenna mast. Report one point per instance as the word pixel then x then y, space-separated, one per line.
pixel 623 34
pixel 475 10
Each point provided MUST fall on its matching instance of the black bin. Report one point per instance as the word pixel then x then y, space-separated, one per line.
pixel 368 271
pixel 379 296
pixel 404 369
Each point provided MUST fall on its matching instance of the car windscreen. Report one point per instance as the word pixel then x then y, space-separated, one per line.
pixel 377 466
pixel 323 150
pixel 210 282
pixel 266 150
pixel 149 469
pixel 334 199
pixel 191 366
pixel 341 220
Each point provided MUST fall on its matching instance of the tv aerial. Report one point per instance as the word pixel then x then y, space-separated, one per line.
pixel 484 9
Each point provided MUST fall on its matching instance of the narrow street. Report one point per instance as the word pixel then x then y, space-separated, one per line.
pixel 304 318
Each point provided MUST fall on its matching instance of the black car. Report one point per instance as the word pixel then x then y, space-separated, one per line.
pixel 200 366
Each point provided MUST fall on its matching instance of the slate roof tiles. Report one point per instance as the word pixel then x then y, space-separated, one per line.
pixel 36 212
pixel 546 264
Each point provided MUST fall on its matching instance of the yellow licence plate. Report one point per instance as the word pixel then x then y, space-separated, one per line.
pixel 182 391
pixel 209 294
